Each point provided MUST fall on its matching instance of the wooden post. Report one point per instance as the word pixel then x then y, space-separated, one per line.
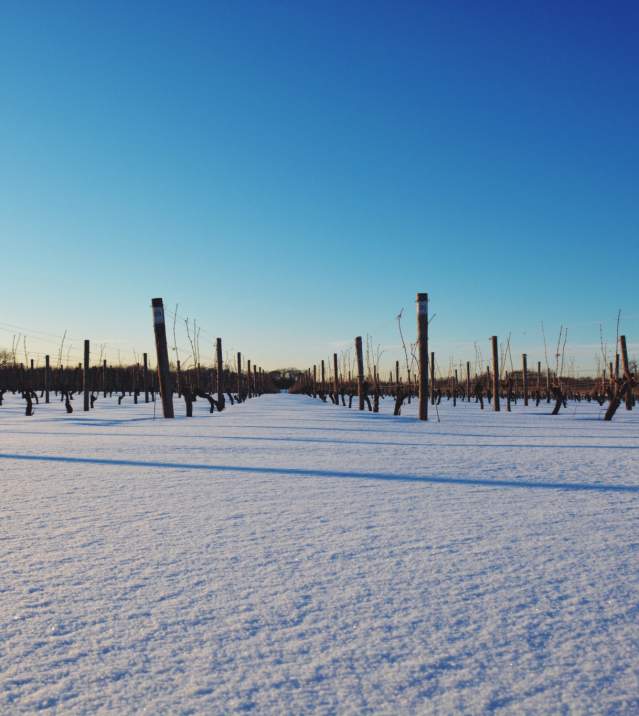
pixel 360 371
pixel 524 371
pixel 538 376
pixel 323 378
pixel 239 376
pixel 145 376
pixel 164 376
pixel 468 381
pixel 248 379
pixel 104 378
pixel 625 364
pixel 220 374
pixel 47 377
pixel 85 376
pixel 432 377
pixel 335 379
pixel 422 356
pixel 624 358
pixel 495 373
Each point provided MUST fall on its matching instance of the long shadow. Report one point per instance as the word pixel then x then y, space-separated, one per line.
pixel 332 441
pixel 305 472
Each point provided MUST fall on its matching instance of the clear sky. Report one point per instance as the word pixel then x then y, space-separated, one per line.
pixel 292 173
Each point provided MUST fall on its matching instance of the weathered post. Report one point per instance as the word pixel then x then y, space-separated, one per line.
pixel 626 371
pixel 468 381
pixel 104 378
pixel 360 371
pixel 495 373
pixel 323 378
pixel 219 374
pixel 164 376
pixel 47 378
pixel 145 376
pixel 248 379
pixel 335 379
pixel 85 376
pixel 538 377
pixel 178 379
pixel 524 371
pixel 432 377
pixel 239 377
pixel 422 357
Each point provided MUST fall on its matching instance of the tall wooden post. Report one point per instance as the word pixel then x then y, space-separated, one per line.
pixel 323 378
pixel 335 378
pixel 145 376
pixel 219 374
pixel 432 377
pixel 422 355
pixel 360 371
pixel 85 376
pixel 468 381
pixel 538 377
pixel 495 373
pixel 164 376
pixel 625 364
pixel 239 376
pixel 524 370
pixel 47 378
pixel 248 379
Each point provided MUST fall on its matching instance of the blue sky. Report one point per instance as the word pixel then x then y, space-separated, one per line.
pixel 293 173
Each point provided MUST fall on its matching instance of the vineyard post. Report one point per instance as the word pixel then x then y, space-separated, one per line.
pixel 335 378
pixel 538 376
pixel 524 370
pixel 85 376
pixel 422 346
pixel 432 377
pixel 164 376
pixel 248 379
pixel 626 370
pixel 322 389
pixel 495 374
pixel 239 377
pixel 468 381
pixel 104 378
pixel 360 371
pixel 220 374
pixel 145 376
pixel 47 375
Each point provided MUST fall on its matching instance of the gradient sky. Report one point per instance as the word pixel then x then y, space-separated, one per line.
pixel 292 173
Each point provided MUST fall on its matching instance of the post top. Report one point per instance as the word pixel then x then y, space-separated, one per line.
pixel 422 297
pixel 155 302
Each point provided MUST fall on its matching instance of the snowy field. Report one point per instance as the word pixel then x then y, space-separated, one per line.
pixel 288 556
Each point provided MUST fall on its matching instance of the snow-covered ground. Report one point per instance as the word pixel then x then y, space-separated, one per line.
pixel 288 556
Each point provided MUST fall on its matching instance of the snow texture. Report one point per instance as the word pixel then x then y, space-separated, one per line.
pixel 290 556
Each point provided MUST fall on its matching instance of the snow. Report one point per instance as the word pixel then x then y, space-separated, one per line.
pixel 290 556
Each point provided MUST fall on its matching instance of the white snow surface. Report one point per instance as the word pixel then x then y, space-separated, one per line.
pixel 290 556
